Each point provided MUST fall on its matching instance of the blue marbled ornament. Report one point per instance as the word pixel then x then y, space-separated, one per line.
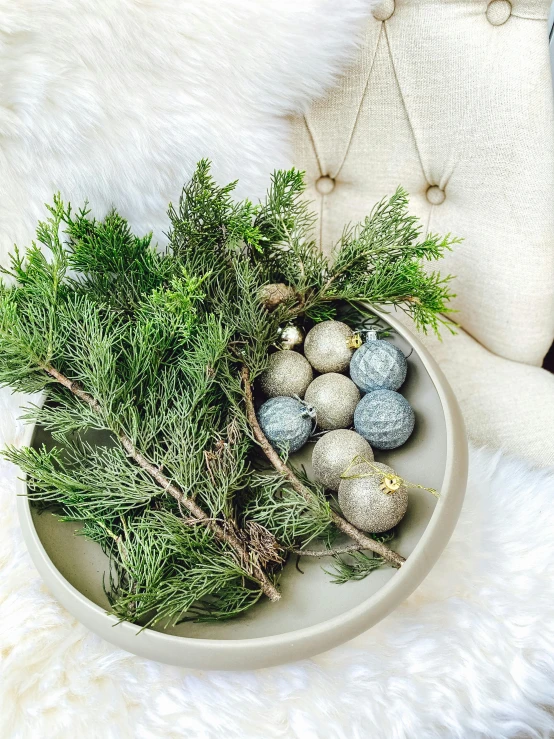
pixel 384 418
pixel 286 422
pixel 377 365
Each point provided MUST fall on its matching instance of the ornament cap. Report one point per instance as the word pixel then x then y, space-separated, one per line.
pixel 354 342
pixel 391 484
pixel 371 335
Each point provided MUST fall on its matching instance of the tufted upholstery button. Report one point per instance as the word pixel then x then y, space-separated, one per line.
pixel 435 195
pixel 384 10
pixel 325 185
pixel 498 12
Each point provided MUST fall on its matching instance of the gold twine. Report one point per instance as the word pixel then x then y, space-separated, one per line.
pixel 390 482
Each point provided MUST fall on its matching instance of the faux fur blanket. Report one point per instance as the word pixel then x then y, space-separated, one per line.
pixel 470 654
pixel 115 101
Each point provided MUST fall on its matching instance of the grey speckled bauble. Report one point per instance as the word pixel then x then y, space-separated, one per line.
pixel 334 398
pixel 384 418
pixel 378 364
pixel 366 505
pixel 334 452
pixel 286 422
pixel 288 373
pixel 328 346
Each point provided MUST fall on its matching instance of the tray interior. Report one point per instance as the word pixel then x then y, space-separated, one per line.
pixel 309 597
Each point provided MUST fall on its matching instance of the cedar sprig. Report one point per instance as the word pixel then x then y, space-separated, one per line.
pixel 151 348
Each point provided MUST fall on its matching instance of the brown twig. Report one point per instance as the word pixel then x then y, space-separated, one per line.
pixel 328 552
pixel 363 541
pixel 222 533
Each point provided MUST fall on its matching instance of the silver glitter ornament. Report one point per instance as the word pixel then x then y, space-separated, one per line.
pixel 334 398
pixel 384 418
pixel 288 373
pixel 329 346
pixel 286 422
pixel 333 454
pixel 290 336
pixel 367 503
pixel 378 364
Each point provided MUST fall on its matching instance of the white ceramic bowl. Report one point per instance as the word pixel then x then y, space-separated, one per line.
pixel 313 614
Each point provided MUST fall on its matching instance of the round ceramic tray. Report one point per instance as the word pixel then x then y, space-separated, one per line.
pixel 313 614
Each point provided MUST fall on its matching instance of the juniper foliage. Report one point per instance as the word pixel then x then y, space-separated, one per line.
pixel 156 339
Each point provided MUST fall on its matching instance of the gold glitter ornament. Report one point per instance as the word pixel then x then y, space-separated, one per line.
pixel 329 346
pixel 290 336
pixel 334 453
pixel 363 501
pixel 288 374
pixel 334 398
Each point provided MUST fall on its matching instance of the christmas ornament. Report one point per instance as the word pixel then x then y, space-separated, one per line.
pixel 334 398
pixel 329 346
pixel 290 336
pixel 334 452
pixel 378 364
pixel 372 497
pixel 286 422
pixel 384 418
pixel 288 373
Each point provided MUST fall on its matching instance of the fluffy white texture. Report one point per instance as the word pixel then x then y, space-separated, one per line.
pixel 115 101
pixel 469 655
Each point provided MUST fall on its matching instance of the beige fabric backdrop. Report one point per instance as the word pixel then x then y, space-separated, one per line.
pixel 453 100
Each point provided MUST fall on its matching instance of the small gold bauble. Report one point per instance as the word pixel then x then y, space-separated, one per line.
pixel 290 336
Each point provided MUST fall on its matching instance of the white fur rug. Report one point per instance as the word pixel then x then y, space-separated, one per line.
pixel 470 654
pixel 115 100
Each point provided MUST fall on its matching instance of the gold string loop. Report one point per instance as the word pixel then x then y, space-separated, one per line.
pixel 390 483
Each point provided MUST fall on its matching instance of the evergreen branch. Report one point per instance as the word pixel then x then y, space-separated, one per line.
pixel 352 566
pixel 224 534
pixel 292 519
pixel 396 560
pixel 148 343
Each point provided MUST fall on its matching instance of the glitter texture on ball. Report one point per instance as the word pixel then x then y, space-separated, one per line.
pixel 286 422
pixel 364 503
pixel 334 398
pixel 384 418
pixel 288 373
pixel 327 346
pixel 334 452
pixel 377 365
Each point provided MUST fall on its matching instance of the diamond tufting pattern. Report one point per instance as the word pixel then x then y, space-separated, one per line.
pixel 452 100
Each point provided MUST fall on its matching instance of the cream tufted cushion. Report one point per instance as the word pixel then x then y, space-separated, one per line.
pixel 506 405
pixel 453 100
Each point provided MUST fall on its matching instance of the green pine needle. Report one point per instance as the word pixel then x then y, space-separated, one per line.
pixel 157 338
